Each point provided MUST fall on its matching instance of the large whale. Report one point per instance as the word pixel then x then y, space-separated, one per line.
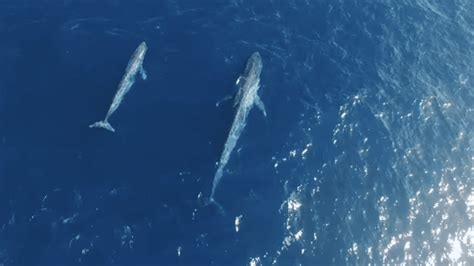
pixel 248 84
pixel 134 66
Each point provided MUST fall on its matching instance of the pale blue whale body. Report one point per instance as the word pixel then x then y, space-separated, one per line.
pixel 247 97
pixel 134 66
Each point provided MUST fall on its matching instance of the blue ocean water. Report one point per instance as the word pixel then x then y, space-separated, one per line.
pixel 366 155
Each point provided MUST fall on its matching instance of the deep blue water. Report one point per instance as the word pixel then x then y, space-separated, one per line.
pixel 366 155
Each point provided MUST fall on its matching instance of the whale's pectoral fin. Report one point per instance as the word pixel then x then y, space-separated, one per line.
pixel 143 72
pixel 260 105
pixel 226 98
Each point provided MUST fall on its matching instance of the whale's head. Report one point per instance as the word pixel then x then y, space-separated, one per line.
pixel 142 49
pixel 255 62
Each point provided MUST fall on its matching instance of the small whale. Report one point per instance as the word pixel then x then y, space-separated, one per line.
pixel 247 97
pixel 134 66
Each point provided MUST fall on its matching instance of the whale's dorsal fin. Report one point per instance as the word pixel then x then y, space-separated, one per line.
pixel 260 105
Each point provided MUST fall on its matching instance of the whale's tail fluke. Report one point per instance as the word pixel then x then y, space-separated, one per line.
pixel 217 204
pixel 104 125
